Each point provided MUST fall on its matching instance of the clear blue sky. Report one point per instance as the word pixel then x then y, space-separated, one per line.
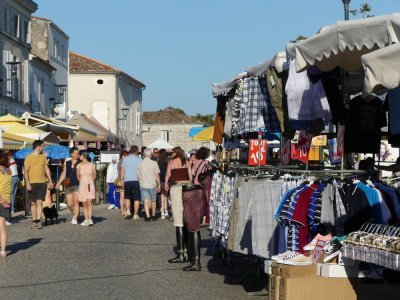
pixel 179 47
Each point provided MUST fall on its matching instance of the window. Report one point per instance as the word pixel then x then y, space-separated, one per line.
pixel 25 31
pixel 55 48
pixel 165 135
pixel 132 118
pixel 100 81
pixel 138 123
pixel 16 26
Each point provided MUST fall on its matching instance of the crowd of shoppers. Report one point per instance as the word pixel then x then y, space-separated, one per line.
pixel 132 178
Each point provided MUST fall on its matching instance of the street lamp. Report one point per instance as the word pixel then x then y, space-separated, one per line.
pixel 125 111
pixel 346 4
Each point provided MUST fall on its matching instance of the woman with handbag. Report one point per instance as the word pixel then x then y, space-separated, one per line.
pixel 178 175
pixel 5 199
pixel 194 201
pixel 71 184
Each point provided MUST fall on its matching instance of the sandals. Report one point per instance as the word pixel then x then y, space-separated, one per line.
pixel 3 254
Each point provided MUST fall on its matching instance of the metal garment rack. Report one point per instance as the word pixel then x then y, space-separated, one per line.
pixel 342 174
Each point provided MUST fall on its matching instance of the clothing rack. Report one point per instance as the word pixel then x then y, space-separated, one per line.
pixel 264 170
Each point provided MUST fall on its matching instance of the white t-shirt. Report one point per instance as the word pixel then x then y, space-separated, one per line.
pixel 13 167
pixel 147 173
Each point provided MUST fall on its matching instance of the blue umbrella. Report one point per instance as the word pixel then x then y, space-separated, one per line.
pixel 57 152
pixel 22 153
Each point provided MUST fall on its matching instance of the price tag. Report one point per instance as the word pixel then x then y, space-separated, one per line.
pixel 255 155
pixel 302 148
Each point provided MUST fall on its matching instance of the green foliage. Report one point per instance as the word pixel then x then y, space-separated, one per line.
pixel 181 111
pixel 206 119
pixel 364 9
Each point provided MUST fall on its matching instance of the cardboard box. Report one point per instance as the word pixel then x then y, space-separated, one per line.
pixel 275 268
pixel 289 271
pixel 334 270
pixel 273 287
pixel 317 288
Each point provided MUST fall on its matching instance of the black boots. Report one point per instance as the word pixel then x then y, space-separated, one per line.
pixel 181 242
pixel 194 246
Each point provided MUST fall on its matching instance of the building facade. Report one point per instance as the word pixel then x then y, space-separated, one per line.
pixel 109 95
pixel 15 47
pixel 170 126
pixel 50 43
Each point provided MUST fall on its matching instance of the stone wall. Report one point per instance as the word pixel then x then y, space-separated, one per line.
pixel 178 135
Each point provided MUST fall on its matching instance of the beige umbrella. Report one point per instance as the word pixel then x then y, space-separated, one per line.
pixel 343 44
pixel 382 68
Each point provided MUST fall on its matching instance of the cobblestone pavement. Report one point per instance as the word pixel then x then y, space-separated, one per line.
pixel 114 259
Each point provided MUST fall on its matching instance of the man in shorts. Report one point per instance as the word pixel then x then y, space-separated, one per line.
pixel 36 170
pixel 130 182
pixel 71 184
pixel 149 180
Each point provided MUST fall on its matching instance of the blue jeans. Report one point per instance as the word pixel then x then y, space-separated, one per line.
pixel 112 195
pixel 14 188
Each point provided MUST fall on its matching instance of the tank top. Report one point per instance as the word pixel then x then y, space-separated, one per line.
pixel 5 185
pixel 179 174
pixel 71 173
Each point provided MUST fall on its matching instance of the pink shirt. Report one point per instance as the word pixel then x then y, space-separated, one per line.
pixel 198 165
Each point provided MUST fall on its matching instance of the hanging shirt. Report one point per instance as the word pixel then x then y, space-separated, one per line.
pixel 305 101
pixel 363 131
pixel 256 106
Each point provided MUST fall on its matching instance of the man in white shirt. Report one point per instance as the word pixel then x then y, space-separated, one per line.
pixel 148 174
pixel 112 174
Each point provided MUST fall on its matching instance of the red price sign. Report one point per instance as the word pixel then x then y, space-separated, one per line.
pixel 302 148
pixel 285 151
pixel 255 155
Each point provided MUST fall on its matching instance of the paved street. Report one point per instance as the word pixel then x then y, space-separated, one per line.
pixel 114 259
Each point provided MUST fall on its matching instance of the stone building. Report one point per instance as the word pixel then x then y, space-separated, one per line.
pixel 111 96
pixel 171 126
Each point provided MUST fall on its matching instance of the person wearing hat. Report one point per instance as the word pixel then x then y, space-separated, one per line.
pixel 112 175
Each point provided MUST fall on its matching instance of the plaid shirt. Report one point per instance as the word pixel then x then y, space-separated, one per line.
pixel 220 204
pixel 256 104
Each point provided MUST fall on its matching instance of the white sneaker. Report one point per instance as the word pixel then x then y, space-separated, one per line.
pixel 90 222
pixel 112 206
pixel 116 208
pixel 127 214
pixel 299 260
pixel 166 214
pixel 162 216
pixel 280 256
pixel 8 223
pixel 85 223
pixel 136 217
pixel 74 221
pixel 289 256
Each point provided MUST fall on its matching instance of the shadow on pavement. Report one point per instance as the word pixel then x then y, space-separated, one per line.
pixel 14 248
pixel 237 269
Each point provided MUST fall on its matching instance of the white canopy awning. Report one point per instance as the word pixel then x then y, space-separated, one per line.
pixel 344 43
pixel 382 68
pixel 160 144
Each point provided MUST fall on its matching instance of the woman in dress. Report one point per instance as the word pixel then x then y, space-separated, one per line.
pixel 86 173
pixel 177 175
pixel 5 199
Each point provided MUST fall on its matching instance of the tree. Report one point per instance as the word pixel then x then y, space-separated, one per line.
pixel 364 9
pixel 175 109
pixel 206 119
